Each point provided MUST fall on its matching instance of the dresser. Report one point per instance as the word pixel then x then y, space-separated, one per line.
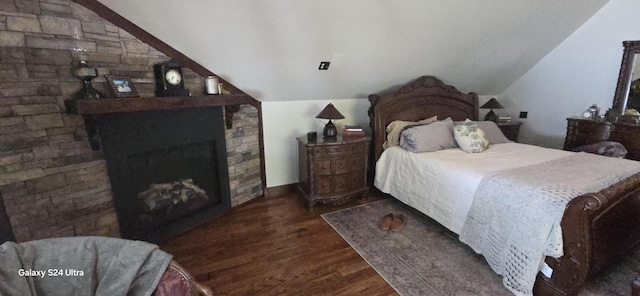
pixel 332 171
pixel 510 130
pixel 584 131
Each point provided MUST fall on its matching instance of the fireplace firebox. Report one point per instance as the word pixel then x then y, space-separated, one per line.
pixel 168 169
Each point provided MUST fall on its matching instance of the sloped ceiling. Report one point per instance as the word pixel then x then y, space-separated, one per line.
pixel 271 49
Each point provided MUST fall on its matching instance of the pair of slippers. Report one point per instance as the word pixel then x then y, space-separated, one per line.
pixel 393 223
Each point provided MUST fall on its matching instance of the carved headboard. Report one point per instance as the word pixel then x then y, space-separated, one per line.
pixel 422 98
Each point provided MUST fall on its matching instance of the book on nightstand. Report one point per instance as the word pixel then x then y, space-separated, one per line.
pixel 504 119
pixel 352 131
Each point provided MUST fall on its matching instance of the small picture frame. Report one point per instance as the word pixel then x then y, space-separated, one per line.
pixel 121 87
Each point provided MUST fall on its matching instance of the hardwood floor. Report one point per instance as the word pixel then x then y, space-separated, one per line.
pixel 276 246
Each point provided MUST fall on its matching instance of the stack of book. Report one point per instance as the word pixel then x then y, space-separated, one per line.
pixel 504 119
pixel 352 131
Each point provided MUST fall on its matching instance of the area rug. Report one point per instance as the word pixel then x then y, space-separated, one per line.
pixel 427 259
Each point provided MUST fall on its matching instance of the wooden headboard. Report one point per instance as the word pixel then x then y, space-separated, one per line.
pixel 422 98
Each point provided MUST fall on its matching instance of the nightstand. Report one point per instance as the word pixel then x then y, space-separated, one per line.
pixel 510 130
pixel 332 171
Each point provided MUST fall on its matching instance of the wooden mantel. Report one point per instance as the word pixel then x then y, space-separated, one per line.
pixel 90 108
pixel 101 106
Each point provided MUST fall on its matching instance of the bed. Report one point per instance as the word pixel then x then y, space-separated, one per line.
pixel 596 228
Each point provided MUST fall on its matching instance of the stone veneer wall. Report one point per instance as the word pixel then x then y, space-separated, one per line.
pixel 51 183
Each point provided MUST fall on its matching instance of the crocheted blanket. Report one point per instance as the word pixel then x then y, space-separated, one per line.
pixel 514 220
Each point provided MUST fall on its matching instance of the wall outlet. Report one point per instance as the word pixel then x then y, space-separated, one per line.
pixel 324 66
pixel 523 114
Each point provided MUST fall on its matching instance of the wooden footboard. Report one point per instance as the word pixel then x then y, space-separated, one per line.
pixel 597 229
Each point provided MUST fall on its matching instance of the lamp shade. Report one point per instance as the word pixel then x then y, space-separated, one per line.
pixel 330 112
pixel 492 104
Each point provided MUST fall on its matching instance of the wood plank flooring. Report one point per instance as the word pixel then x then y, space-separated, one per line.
pixel 276 246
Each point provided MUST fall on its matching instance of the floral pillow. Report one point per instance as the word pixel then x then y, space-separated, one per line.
pixel 470 137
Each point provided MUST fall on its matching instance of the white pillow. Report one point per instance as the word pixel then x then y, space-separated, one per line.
pixel 470 137
pixel 492 132
pixel 397 126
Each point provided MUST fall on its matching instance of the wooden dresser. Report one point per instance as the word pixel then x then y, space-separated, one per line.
pixel 333 171
pixel 583 131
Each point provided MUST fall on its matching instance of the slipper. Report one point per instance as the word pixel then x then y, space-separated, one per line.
pixel 386 222
pixel 398 223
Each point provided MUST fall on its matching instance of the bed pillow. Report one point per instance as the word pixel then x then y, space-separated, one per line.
pixel 492 132
pixel 427 138
pixel 470 137
pixel 397 126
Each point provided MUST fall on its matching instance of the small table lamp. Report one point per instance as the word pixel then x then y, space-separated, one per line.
pixel 330 112
pixel 491 104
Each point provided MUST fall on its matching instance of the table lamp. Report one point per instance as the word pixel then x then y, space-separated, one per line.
pixel 491 104
pixel 330 112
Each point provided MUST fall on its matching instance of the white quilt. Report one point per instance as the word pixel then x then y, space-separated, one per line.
pixel 442 184
pixel 514 220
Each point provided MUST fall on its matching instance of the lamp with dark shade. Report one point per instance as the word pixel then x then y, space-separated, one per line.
pixel 330 112
pixel 491 104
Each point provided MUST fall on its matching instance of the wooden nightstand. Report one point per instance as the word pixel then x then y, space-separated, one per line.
pixel 333 171
pixel 510 130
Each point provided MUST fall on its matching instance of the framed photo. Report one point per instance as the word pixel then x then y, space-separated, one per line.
pixel 121 87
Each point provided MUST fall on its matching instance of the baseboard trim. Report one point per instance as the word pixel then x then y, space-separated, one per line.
pixel 276 191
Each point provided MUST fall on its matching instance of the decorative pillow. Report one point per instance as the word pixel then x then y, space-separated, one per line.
pixel 492 132
pixel 470 137
pixel 397 126
pixel 427 138
pixel 606 148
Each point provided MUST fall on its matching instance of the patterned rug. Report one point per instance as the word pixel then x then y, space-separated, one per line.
pixel 427 259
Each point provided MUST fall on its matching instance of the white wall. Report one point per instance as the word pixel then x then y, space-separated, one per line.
pixel 286 120
pixel 581 71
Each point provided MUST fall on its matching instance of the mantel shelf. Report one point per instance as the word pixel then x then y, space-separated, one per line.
pixel 91 109
pixel 125 105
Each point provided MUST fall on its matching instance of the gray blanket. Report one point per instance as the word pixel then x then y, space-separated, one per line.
pixel 514 220
pixel 81 266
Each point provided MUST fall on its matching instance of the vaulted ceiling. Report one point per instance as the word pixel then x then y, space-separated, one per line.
pixel 271 49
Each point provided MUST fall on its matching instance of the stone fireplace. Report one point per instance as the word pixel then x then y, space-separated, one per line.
pixel 168 169
pixel 52 183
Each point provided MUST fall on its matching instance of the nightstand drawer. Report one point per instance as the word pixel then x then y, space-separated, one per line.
pixel 323 166
pixel 337 150
pixel 349 164
pixel 339 183
pixel 339 165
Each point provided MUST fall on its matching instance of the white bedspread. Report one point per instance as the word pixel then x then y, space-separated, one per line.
pixel 514 221
pixel 442 184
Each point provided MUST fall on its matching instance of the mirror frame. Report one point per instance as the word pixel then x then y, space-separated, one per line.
pixel 631 48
